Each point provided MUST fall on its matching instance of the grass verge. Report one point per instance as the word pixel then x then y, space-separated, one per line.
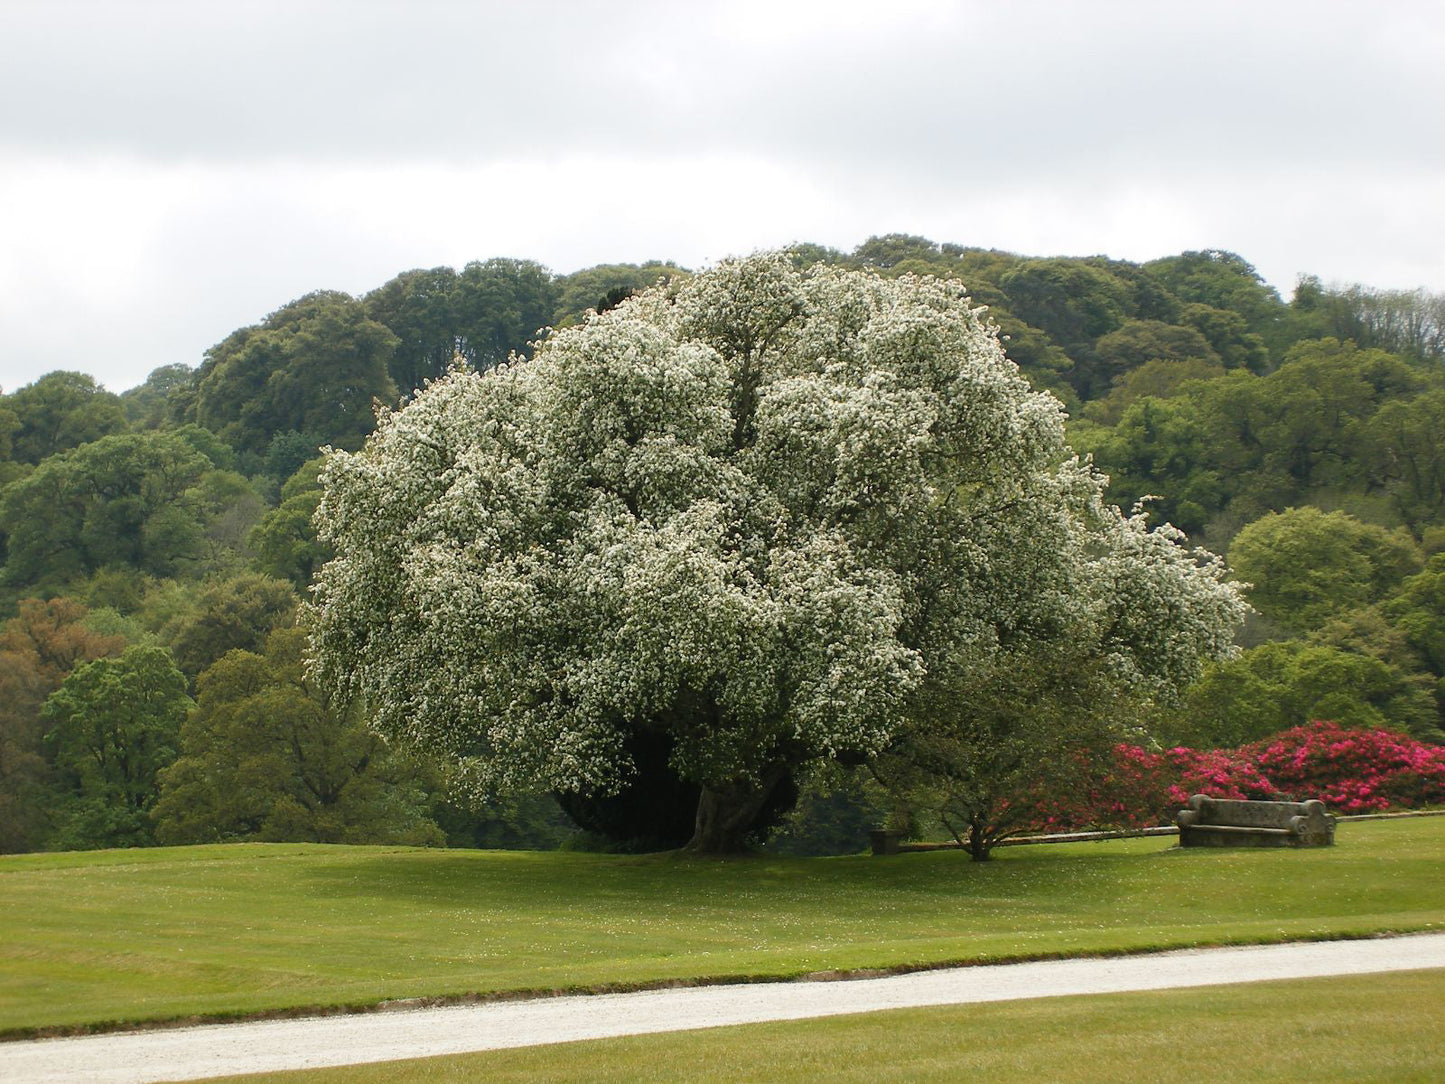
pixel 1346 1030
pixel 124 937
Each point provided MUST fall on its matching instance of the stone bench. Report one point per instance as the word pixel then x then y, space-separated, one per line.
pixel 1223 822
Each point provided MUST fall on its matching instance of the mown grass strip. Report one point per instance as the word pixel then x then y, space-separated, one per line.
pixel 117 938
pixel 1346 1030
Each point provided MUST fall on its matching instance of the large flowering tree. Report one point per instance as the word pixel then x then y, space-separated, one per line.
pixel 754 514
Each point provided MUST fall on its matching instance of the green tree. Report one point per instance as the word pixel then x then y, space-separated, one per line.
pixel 58 412
pixel 1075 304
pixel 1160 449
pixel 284 543
pixel 220 454
pixel 313 366
pixel 117 588
pixel 9 425
pixel 1417 611
pixel 38 648
pixel 1157 379
pixel 120 500
pixel 1042 360
pixel 1308 566
pixel 236 612
pixel 114 725
pixel 1138 341
pixel 265 756
pixel 754 516
pixel 1226 281
pixel 287 451
pixel 1033 720
pixel 581 290
pixel 1243 445
pixel 1405 449
pixel 806 254
pixel 889 250
pixel 1311 413
pixel 152 404
pixel 1228 335
pixel 501 306
pixel 420 309
pixel 1408 322
pixel 1289 683
pixel 1392 638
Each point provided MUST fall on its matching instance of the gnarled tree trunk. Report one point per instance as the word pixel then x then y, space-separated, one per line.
pixel 727 814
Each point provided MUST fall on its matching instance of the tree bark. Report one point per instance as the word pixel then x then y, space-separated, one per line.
pixel 727 814
pixel 979 844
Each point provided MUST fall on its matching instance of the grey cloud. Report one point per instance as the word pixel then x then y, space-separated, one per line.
pixel 216 158
pixel 971 91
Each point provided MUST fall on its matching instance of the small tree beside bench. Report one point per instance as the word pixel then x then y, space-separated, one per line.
pixel 1225 822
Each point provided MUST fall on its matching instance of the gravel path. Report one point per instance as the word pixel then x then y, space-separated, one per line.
pixel 190 1053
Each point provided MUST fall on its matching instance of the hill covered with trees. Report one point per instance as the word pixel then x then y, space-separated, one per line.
pixel 156 543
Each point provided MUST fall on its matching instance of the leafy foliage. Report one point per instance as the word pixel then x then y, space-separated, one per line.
pixel 153 403
pixel 1407 322
pixel 1146 622
pixel 265 756
pixel 1286 683
pixel 1309 565
pixel 38 648
pixel 586 289
pixel 114 726
pixel 238 612
pixel 120 500
pixel 60 411
pixel 313 366
pixel 1225 281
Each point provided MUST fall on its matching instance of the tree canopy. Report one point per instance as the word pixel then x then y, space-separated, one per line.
pixel 115 724
pixel 1311 565
pixel 263 756
pixel 56 413
pixel 313 366
pixel 125 499
pixel 756 513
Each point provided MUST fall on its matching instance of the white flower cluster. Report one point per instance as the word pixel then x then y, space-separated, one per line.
pixel 754 511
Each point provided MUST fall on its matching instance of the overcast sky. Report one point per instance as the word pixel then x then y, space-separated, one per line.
pixel 172 171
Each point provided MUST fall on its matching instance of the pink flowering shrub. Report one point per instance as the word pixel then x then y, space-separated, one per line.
pixel 1220 773
pixel 1350 770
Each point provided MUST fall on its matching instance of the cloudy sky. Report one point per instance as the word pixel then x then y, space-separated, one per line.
pixel 172 171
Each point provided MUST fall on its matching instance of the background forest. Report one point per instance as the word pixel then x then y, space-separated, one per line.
pixel 156 544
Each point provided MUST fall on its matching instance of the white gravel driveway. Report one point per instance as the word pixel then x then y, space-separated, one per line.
pixel 190 1053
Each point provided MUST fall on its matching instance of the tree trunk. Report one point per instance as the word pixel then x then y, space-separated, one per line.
pixel 979 845
pixel 726 814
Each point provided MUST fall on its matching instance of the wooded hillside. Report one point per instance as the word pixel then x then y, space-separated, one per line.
pixel 156 543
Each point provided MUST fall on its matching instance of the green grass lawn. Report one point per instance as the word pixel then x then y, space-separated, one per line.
pixel 116 936
pixel 1346 1030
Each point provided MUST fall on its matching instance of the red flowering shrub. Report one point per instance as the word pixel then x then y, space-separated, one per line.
pixel 1220 773
pixel 1351 771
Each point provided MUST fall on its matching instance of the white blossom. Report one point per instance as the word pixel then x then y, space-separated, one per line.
pixel 757 509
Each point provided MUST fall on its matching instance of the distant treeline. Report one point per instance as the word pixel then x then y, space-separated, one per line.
pixel 156 544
